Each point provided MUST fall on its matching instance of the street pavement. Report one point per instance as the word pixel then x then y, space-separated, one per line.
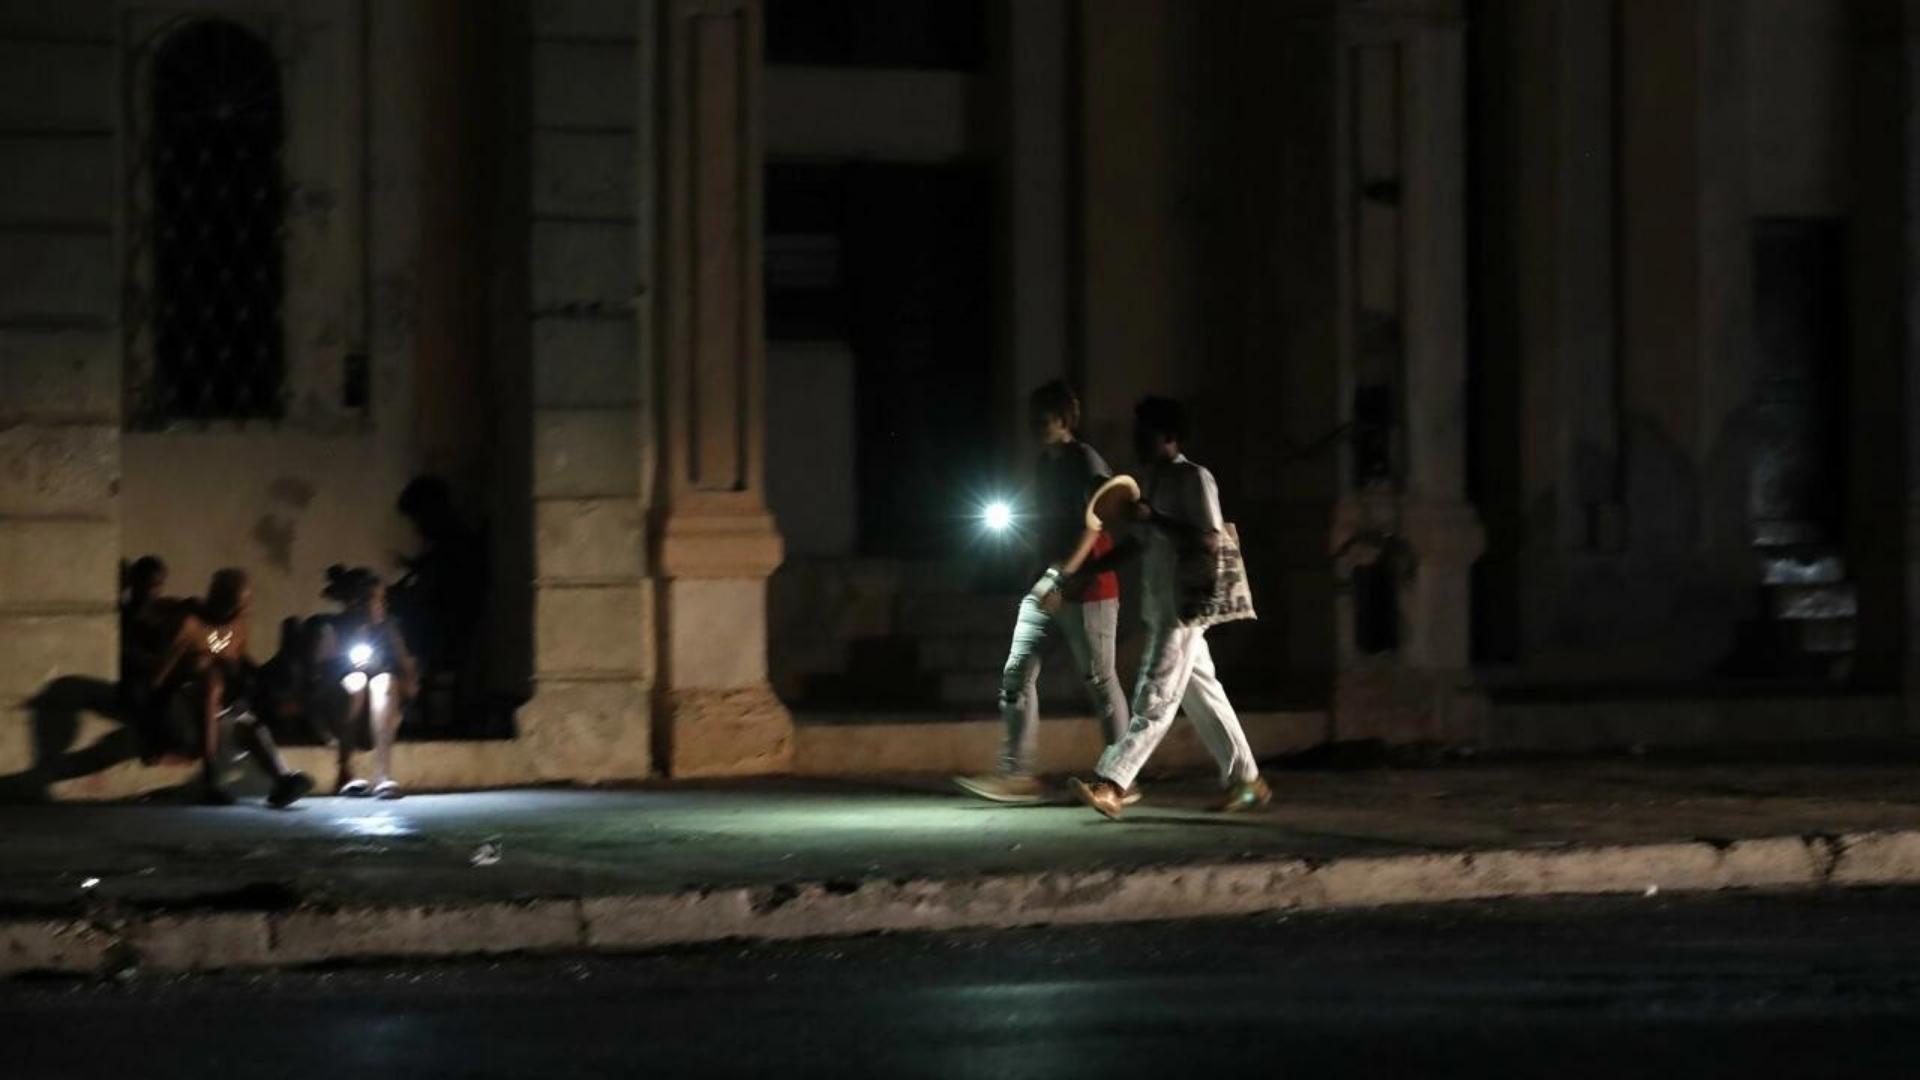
pixel 1733 985
pixel 71 859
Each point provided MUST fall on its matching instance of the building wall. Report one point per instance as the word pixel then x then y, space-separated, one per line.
pixel 1616 344
pixel 285 500
pixel 59 371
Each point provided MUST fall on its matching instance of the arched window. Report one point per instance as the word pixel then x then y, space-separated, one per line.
pixel 218 204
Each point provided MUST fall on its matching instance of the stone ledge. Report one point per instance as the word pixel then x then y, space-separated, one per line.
pixel 212 940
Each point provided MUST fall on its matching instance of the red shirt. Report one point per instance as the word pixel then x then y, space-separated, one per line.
pixel 1105 586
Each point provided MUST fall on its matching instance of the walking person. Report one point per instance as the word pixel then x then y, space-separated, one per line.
pixel 1177 532
pixel 1086 613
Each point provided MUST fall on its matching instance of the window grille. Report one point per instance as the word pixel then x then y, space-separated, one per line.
pixel 214 223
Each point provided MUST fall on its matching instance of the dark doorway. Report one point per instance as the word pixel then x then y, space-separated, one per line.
pixel 921 325
pixel 1800 364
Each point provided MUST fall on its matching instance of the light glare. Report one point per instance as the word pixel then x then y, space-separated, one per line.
pixel 361 654
pixel 998 516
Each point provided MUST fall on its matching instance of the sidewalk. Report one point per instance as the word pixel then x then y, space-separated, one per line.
pixel 86 888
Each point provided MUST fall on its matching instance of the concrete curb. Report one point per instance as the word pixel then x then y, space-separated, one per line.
pixel 191 942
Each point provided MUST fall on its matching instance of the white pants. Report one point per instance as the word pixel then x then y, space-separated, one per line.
pixel 1177 670
pixel 1090 630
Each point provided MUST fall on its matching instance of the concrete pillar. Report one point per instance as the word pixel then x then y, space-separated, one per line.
pixel 717 542
pixel 592 604
pixel 59 367
pixel 1403 116
pixel 1686 250
pixel 1135 256
pixel 1565 249
pixel 1033 84
pixel 1884 411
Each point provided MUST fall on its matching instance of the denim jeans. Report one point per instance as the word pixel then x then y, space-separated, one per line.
pixel 1090 630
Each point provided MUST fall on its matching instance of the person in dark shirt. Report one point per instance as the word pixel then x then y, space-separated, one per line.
pixel 1066 475
pixel 440 601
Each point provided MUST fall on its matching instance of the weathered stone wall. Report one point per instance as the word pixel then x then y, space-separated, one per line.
pixel 59 359
pixel 591 306
pixel 1616 387
pixel 286 499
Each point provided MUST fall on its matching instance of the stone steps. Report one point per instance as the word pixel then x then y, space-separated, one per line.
pixel 1802 566
pixel 1809 603
pixel 1795 603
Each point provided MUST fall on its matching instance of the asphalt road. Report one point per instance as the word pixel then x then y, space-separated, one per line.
pixel 1747 986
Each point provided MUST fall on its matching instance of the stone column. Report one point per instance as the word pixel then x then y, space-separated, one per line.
pixel 1884 410
pixel 1570 408
pixel 59 374
pixel 717 542
pixel 1033 105
pixel 1404 209
pixel 592 603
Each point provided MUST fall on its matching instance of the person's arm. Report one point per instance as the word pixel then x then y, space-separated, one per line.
pixel 178 650
pixel 243 645
pixel 1195 523
pixel 1117 556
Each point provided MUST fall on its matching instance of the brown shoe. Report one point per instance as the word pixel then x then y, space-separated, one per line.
pixel 1247 795
pixel 1000 788
pixel 1132 795
pixel 1103 795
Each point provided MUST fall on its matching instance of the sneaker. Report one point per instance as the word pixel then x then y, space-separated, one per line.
pixel 1132 795
pixel 1000 788
pixel 387 789
pixel 1101 794
pixel 289 789
pixel 354 789
pixel 216 795
pixel 1246 795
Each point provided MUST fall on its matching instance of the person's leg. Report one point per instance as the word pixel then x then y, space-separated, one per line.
pixel 1019 689
pixel 343 712
pixel 383 714
pixel 289 785
pixel 1091 630
pixel 210 694
pixel 1163 682
pixel 1013 781
pixel 1213 717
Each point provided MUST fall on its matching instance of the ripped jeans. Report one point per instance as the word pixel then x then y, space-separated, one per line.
pixel 1090 630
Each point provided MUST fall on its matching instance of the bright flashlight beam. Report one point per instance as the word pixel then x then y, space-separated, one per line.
pixel 361 654
pixel 998 516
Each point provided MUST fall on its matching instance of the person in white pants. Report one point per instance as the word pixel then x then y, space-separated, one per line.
pixel 1177 530
pixel 1087 614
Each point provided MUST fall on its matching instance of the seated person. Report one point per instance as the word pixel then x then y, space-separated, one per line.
pixel 285 683
pixel 440 599
pixel 144 612
pixel 361 677
pixel 195 652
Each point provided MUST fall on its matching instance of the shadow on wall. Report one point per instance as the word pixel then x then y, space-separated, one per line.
pixel 56 715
